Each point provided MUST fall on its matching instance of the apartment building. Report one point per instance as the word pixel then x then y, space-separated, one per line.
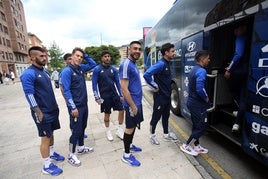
pixel 14 42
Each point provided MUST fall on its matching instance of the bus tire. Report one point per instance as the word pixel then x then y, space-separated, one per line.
pixel 175 99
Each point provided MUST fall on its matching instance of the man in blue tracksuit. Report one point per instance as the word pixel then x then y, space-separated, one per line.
pixel 44 108
pixel 107 92
pixel 237 72
pixel 72 80
pixel 197 103
pixel 158 78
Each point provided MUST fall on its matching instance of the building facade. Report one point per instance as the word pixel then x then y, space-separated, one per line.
pixel 14 42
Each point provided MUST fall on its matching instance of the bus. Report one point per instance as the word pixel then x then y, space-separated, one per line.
pixel 193 25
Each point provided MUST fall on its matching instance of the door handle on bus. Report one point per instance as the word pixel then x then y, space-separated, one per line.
pixel 213 75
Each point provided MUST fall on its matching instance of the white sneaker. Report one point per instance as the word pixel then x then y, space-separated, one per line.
pixel 235 128
pixel 85 150
pixel 199 149
pixel 109 135
pixel 120 133
pixel 154 140
pixel 188 149
pixel 73 160
pixel 235 113
pixel 170 137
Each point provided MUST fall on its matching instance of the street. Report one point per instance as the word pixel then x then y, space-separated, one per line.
pixel 20 156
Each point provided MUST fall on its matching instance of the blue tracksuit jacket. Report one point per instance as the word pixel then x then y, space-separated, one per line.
pixel 73 83
pixel 38 90
pixel 161 77
pixel 105 79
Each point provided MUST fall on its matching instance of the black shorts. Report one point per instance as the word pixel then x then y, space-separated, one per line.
pixel 133 121
pixel 109 103
pixel 47 128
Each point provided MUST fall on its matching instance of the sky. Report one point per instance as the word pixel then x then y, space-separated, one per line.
pixel 83 23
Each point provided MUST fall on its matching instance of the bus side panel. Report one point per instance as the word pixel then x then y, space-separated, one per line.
pixel 190 46
pixel 255 135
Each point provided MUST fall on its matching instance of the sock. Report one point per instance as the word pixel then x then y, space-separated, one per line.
pixel 51 150
pixel 126 154
pixel 71 154
pixel 107 129
pixel 80 148
pixel 120 126
pixel 47 162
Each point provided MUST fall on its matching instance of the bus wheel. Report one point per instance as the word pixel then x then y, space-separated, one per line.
pixel 175 99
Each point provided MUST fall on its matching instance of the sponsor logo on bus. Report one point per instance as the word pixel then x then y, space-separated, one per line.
pixel 258 149
pixel 257 128
pixel 191 46
pixel 259 110
pixel 262 86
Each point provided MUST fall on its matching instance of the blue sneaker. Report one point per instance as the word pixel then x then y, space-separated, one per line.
pixel 134 149
pixel 52 170
pixel 57 157
pixel 131 160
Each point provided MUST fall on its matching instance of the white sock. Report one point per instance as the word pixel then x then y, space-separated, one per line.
pixel 51 150
pixel 107 129
pixel 71 154
pixel 126 155
pixel 120 126
pixel 47 162
pixel 80 148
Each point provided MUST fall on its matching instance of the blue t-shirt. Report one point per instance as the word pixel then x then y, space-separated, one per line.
pixel 128 70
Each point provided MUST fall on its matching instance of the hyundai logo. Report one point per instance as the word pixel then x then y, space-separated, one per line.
pixel 191 46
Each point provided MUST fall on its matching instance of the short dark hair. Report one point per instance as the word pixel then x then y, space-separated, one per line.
pixel 105 52
pixel 135 42
pixel 66 56
pixel 36 48
pixel 201 53
pixel 166 47
pixel 78 49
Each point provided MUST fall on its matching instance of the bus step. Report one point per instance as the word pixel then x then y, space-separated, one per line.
pixel 227 132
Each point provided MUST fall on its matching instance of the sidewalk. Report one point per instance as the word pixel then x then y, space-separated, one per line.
pixel 20 157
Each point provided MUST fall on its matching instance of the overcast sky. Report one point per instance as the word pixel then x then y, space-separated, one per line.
pixel 81 23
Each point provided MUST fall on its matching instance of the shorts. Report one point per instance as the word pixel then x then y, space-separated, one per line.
pixel 109 103
pixel 133 121
pixel 46 128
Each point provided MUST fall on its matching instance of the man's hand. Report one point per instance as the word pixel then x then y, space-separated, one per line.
pixel 75 113
pixel 39 114
pixel 227 74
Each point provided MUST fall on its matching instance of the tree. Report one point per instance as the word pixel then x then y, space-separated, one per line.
pixel 95 53
pixel 55 54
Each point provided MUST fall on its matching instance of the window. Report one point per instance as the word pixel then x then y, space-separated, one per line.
pixel 5 29
pixel 1 28
pixel 3 16
pixel 0 41
pixel 4 41
pixel 8 43
pixel 3 55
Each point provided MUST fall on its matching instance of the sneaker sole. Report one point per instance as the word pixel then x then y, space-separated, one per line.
pixel 171 140
pixel 90 151
pixel 154 143
pixel 129 163
pixel 201 152
pixel 75 165
pixel 51 174
pixel 186 151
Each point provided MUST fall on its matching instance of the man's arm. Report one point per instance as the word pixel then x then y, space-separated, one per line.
pixel 95 76
pixel 27 81
pixel 127 96
pixel 148 75
pixel 90 63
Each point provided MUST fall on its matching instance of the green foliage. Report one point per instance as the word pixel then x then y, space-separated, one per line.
pixel 95 53
pixel 56 60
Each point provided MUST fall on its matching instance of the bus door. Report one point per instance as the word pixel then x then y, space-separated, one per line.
pixel 255 132
pixel 190 46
